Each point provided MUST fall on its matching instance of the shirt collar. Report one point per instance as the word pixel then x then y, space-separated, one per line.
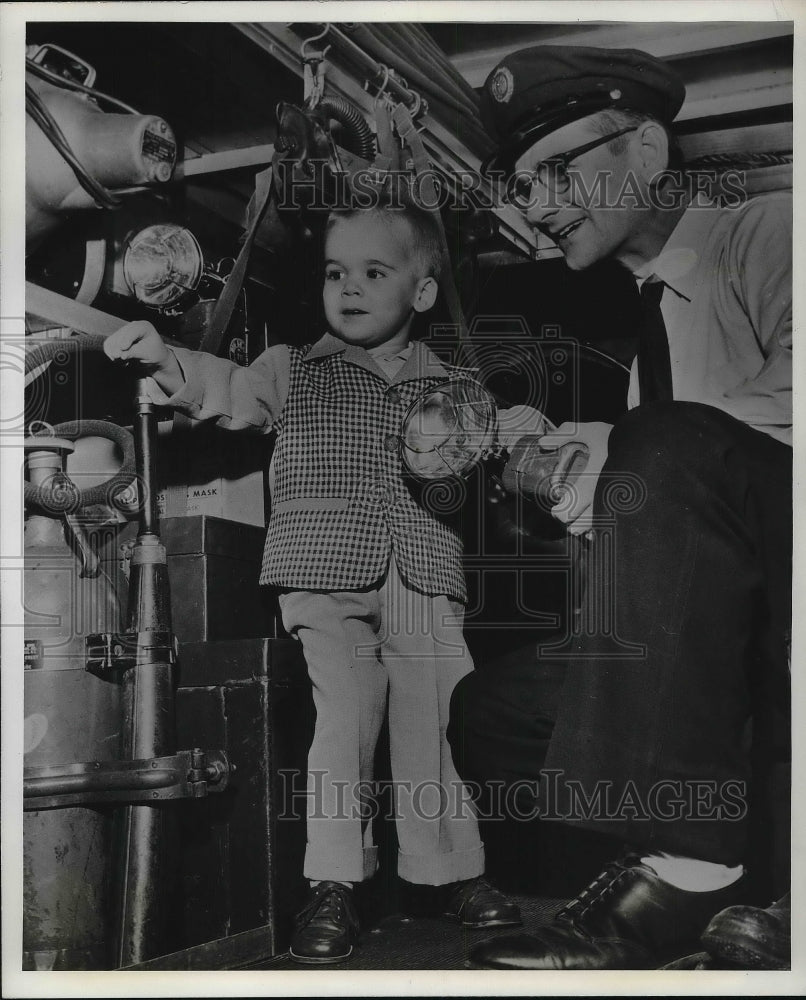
pixel 676 264
pixel 326 345
pixel 421 362
pixel 377 353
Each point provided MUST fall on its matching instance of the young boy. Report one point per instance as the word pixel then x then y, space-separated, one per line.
pixel 371 580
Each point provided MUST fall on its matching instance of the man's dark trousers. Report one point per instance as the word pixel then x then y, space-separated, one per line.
pixel 683 636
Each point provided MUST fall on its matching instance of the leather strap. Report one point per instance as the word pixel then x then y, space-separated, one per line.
pixel 409 134
pixel 176 493
pixel 222 314
pixel 388 156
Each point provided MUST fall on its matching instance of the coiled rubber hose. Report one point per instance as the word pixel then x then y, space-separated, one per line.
pixel 63 496
pixel 47 350
pixel 359 138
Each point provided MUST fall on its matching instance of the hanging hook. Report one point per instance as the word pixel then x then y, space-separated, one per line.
pixel 314 38
pixel 382 90
pixel 313 70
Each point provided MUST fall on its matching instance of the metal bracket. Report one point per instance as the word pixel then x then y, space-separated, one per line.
pixel 314 80
pixel 188 774
pixel 313 70
pixel 107 651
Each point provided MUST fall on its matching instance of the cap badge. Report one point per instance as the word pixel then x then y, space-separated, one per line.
pixel 502 85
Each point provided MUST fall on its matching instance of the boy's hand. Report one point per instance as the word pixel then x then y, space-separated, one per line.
pixel 138 341
pixel 576 508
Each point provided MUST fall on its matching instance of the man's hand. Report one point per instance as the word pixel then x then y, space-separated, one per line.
pixel 139 341
pixel 517 421
pixel 575 509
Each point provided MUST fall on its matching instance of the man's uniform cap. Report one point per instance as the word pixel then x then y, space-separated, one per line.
pixel 534 91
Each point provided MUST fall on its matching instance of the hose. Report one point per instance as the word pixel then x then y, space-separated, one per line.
pixel 46 350
pixel 360 139
pixel 64 497
pixel 60 81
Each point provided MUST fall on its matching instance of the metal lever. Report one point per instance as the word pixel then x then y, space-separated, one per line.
pixel 188 774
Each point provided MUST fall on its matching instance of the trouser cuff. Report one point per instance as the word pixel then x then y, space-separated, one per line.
pixel 323 869
pixel 440 869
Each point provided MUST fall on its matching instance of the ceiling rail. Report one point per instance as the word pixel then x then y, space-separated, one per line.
pixel 448 152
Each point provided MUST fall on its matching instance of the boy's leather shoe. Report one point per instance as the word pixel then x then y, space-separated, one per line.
pixel 326 927
pixel 475 903
pixel 751 938
pixel 627 918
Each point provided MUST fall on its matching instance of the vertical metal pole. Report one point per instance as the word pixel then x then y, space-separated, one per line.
pixel 148 693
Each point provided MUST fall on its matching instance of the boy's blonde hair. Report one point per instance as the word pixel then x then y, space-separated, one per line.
pixel 423 227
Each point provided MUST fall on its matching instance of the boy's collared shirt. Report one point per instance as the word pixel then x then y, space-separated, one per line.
pixel 419 360
pixel 390 364
pixel 727 307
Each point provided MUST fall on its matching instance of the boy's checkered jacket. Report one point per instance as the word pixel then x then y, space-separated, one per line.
pixel 340 501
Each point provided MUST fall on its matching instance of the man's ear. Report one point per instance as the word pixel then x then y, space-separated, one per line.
pixel 651 147
pixel 426 294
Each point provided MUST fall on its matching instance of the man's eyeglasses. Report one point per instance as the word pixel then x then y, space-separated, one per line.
pixel 552 173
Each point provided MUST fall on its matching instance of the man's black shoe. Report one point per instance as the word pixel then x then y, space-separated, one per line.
pixel 693 963
pixel 627 918
pixel 326 927
pixel 751 938
pixel 475 903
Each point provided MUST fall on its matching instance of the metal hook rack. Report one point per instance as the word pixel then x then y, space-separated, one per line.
pixel 382 94
pixel 314 38
pixel 313 70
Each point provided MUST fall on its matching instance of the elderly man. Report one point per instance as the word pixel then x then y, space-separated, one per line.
pixel 690 491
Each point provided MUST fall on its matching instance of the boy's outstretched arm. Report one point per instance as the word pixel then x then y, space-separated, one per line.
pixel 205 387
pixel 139 341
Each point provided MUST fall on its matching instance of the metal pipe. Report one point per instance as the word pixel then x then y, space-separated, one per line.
pixel 150 715
pixel 369 65
pixel 145 425
pixel 62 311
pixel 72 784
pixel 59 311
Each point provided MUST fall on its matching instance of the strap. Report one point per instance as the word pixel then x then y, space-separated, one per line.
pixel 388 156
pixel 222 314
pixel 176 493
pixel 409 134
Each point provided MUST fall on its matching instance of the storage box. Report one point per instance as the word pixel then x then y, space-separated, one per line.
pixel 242 850
pixel 204 470
pixel 213 570
pixel 234 499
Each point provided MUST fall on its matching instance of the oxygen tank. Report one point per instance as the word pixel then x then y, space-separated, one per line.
pixel 71 716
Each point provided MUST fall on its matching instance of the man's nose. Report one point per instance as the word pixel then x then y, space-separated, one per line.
pixel 539 215
pixel 543 205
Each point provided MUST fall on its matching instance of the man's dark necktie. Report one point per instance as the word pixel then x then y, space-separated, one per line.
pixel 654 365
